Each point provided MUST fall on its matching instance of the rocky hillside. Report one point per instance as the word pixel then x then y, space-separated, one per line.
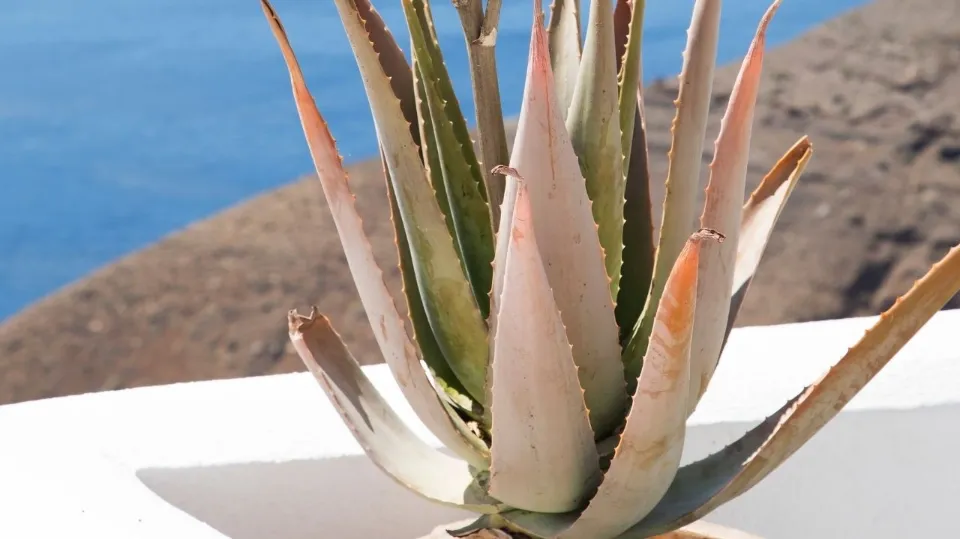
pixel 877 90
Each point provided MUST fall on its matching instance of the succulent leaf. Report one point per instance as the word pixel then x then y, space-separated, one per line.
pixel 760 215
pixel 392 446
pixel 683 173
pixel 392 60
pixel 567 240
pixel 450 305
pixel 594 126
pixel 702 486
pixel 543 456
pixel 463 182
pixel 423 333
pixel 723 212
pixel 630 69
pixel 391 335
pixel 429 152
pixel 638 241
pixel 565 49
pixel 651 445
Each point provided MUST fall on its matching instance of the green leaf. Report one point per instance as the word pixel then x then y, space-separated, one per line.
pixel 423 333
pixel 388 327
pixel 567 240
pixel 461 171
pixel 651 445
pixel 448 300
pixel 683 174
pixel 638 243
pixel 723 211
pixel 429 152
pixel 543 456
pixel 594 127
pixel 565 49
pixel 629 78
pixel 385 438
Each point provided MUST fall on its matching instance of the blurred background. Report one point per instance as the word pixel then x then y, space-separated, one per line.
pixel 158 217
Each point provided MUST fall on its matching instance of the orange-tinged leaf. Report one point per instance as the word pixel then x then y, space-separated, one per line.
pixel 683 171
pixel 651 445
pixel 543 456
pixel 567 240
pixel 723 212
pixel 385 438
pixel 388 327
pixel 702 486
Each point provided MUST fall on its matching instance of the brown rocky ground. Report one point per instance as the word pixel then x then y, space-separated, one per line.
pixel 877 90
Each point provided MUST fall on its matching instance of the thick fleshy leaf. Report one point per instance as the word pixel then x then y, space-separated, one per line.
pixel 683 173
pixel 543 456
pixel 760 214
pixel 651 445
pixel 385 438
pixel 450 305
pixel 423 334
pixel 392 60
pixel 388 327
pixel 723 212
pixel 480 33
pixel 638 241
pixel 702 486
pixel 631 71
pixel 462 180
pixel 565 49
pixel 428 148
pixel 567 240
pixel 594 127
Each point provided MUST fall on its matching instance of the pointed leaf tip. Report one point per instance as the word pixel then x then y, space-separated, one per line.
pixel 543 456
pixel 647 458
pixel 567 240
pixel 723 210
pixel 683 170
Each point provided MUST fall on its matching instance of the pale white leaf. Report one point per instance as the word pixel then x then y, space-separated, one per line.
pixel 543 456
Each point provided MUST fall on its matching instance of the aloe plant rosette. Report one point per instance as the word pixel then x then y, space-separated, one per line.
pixel 555 345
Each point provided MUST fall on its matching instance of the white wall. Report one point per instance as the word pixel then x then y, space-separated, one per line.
pixel 268 458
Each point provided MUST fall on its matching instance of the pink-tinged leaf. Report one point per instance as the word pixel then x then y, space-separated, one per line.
pixel 702 486
pixel 565 49
pixel 760 215
pixel 651 445
pixel 388 327
pixel 723 212
pixel 543 456
pixel 568 242
pixel 683 172
pixel 385 438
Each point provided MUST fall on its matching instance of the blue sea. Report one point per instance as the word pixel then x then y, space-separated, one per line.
pixel 123 121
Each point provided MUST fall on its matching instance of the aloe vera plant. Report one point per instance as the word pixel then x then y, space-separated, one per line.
pixel 555 345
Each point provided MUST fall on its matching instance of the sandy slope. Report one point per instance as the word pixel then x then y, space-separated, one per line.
pixel 877 90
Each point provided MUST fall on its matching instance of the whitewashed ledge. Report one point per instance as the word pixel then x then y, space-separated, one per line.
pixel 267 457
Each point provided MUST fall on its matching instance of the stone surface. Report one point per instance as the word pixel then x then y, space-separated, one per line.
pixel 877 90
